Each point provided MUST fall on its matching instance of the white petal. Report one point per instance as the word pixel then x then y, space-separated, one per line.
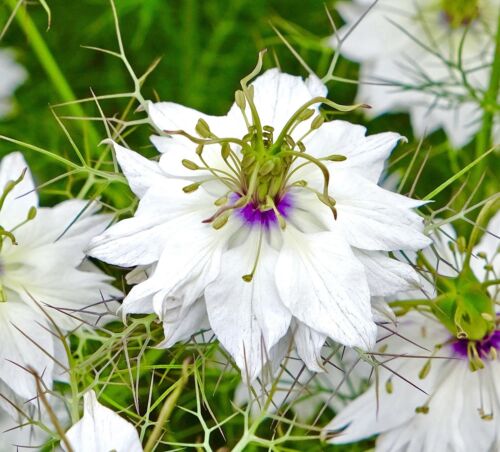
pixel 365 154
pixel 248 318
pixel 25 342
pixel 141 240
pixel 374 36
pixel 376 219
pixel 169 116
pixel 387 276
pixel 278 96
pixel 309 344
pixel 22 197
pixel 180 324
pixel 324 286
pixel 197 249
pixel 102 430
pixel 140 172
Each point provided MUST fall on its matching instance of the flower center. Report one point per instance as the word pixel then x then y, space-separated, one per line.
pixel 258 166
pixel 252 214
pixel 459 13
pixel 483 347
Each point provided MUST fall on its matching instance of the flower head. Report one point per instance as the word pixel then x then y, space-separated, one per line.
pixel 44 281
pixel 415 55
pixel 447 398
pixel 266 225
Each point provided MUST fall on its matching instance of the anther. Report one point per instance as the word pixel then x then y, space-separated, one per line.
pixel 220 221
pixel 336 158
pixel 266 168
pixel 305 114
pixel 225 151
pixel 239 98
pixel 190 165
pixel 317 122
pixel 422 409
pixel 221 201
pixel 191 187
pixel 203 129
pixel 425 370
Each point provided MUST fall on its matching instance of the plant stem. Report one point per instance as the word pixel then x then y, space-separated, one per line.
pixel 484 137
pixel 168 407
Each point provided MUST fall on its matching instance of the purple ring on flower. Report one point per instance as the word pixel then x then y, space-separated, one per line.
pixel 483 346
pixel 252 215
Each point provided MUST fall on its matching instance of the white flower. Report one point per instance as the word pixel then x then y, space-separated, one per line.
pixel 12 76
pixel 101 430
pixel 276 266
pixel 25 433
pixel 454 409
pixel 12 435
pixel 42 281
pixel 409 51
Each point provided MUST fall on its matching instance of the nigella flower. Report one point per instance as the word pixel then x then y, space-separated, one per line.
pixel 101 430
pixel 34 430
pixel 43 282
pixel 455 403
pixel 12 76
pixel 265 225
pixel 410 53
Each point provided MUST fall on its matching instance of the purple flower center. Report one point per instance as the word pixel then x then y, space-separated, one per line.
pixel 483 347
pixel 252 215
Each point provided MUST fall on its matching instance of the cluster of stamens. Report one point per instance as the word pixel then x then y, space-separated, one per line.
pixel 259 174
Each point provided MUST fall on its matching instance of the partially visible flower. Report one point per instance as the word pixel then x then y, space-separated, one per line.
pixel 266 225
pixel 449 398
pixel 15 437
pixel 19 433
pixel 12 75
pixel 410 52
pixel 101 430
pixel 44 281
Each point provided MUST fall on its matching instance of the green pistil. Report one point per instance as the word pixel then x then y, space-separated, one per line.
pixel 460 12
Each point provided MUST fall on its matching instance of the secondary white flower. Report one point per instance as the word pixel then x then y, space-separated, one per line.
pixel 276 266
pixel 13 435
pixel 102 430
pixel 18 432
pixel 12 76
pixel 455 409
pixel 42 280
pixel 409 51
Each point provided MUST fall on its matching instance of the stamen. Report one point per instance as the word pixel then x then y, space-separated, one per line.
pixel 248 277
pixel 10 185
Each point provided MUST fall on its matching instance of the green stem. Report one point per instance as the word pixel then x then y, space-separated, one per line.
pixel 51 68
pixel 168 407
pixel 484 138
pixel 478 227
